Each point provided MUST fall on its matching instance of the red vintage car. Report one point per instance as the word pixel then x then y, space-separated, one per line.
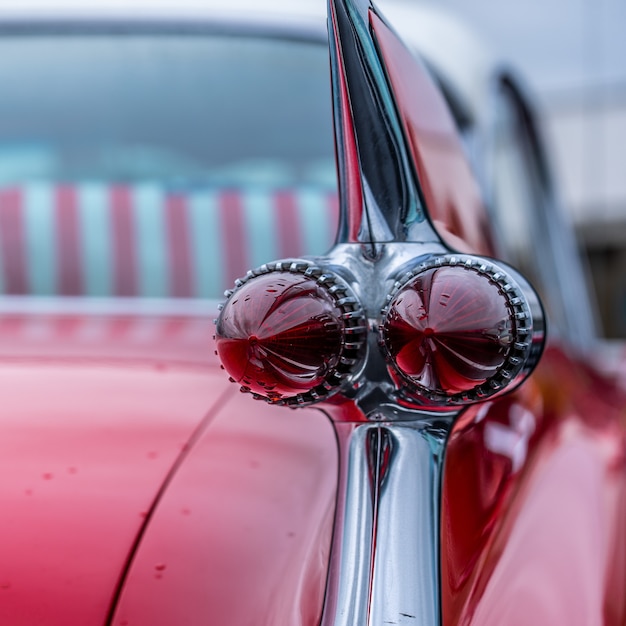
pixel 422 451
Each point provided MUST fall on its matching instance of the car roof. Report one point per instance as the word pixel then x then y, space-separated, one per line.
pixel 149 9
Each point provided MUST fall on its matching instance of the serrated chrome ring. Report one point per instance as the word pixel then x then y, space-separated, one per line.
pixel 522 327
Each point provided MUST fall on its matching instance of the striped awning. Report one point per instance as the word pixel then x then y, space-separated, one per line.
pixel 141 240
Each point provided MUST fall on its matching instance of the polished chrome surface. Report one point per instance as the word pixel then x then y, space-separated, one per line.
pixel 388 205
pixel 385 560
pixel 373 282
pixel 384 233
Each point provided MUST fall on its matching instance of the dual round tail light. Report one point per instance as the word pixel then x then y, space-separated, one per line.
pixel 455 329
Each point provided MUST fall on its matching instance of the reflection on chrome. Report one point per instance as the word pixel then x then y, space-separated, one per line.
pixel 385 563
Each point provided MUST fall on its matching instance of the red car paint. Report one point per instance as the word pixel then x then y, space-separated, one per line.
pixel 97 413
pixel 534 504
pixel 451 194
pixel 242 534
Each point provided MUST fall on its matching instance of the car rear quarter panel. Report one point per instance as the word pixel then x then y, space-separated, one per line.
pixel 85 449
pixel 450 191
pixel 242 534
pixel 534 504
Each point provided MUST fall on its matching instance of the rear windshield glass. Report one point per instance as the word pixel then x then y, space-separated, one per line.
pixel 160 165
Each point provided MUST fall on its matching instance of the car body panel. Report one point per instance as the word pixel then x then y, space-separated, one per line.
pixel 242 534
pixel 533 511
pixel 532 526
pixel 87 444
pixel 99 413
pixel 451 194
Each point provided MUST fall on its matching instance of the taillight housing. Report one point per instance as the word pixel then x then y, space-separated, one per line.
pixel 457 329
pixel 290 333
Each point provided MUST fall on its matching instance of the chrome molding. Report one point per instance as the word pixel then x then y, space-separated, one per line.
pixel 385 559
pixel 385 204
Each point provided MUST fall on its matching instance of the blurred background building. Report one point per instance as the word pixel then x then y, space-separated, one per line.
pixel 572 54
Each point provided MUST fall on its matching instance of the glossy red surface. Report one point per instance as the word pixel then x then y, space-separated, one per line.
pixel 534 504
pixel 452 196
pixel 243 532
pixel 115 423
pixel 280 335
pixel 448 330
pixel 87 443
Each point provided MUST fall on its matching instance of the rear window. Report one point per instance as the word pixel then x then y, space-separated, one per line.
pixel 160 165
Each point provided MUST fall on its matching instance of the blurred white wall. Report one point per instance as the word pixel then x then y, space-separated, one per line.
pixel 588 140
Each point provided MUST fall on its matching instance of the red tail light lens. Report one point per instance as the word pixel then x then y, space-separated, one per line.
pixel 456 330
pixel 289 335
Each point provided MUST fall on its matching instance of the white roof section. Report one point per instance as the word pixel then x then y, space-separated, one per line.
pixel 308 14
pixel 159 9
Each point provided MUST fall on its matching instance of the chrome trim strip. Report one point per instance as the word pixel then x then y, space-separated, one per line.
pixel 553 233
pixel 385 559
pixel 405 585
pixel 391 206
pixel 354 532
